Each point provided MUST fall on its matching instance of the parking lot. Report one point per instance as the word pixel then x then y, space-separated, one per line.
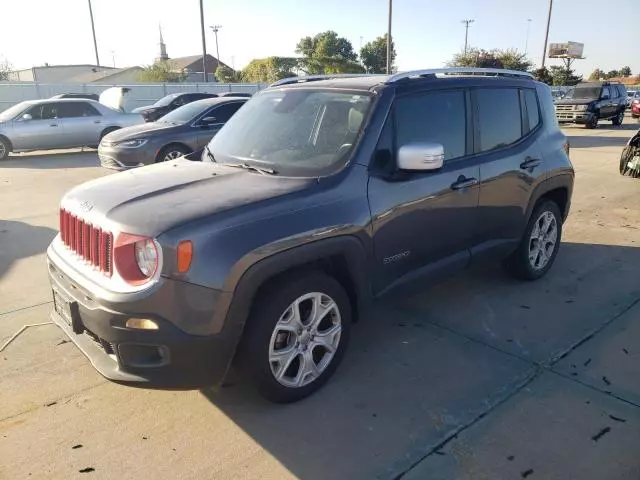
pixel 480 377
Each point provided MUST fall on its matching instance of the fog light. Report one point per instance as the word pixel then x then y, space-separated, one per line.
pixel 142 324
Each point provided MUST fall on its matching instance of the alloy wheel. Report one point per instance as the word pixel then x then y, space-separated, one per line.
pixel 542 240
pixel 172 155
pixel 305 339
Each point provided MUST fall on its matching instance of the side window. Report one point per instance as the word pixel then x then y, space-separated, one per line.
pixel 499 117
pixel 531 103
pixel 383 158
pixel 181 100
pixel 623 91
pixel 77 110
pixel 224 112
pixel 35 112
pixel 605 92
pixel 50 110
pixel 433 117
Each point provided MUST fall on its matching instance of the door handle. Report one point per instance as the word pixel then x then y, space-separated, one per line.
pixel 530 163
pixel 53 124
pixel 463 182
pixel 96 121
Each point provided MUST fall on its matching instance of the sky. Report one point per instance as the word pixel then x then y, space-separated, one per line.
pixel 426 32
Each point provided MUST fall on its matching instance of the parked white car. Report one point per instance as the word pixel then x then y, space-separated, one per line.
pixel 59 123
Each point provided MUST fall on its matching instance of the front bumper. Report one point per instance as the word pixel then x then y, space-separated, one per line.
pixel 125 158
pixel 574 117
pixel 167 358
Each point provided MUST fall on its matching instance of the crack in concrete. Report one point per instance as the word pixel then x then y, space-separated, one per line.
pixel 25 308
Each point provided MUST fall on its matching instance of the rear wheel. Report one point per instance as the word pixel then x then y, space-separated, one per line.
pixel 171 152
pixel 5 148
pixel 618 119
pixel 539 245
pixel 297 335
pixel 104 133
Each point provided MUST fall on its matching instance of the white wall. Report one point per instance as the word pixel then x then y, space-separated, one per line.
pixel 140 94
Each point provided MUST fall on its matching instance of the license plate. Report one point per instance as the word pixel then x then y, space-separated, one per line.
pixel 62 307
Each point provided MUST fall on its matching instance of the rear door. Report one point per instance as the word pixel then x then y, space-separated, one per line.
pixel 82 124
pixel 424 222
pixel 607 108
pixel 221 113
pixel 509 129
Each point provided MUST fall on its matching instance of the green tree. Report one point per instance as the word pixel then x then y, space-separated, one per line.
pixel 612 74
pixel 625 71
pixel 597 74
pixel 161 72
pixel 374 55
pixel 5 69
pixel 327 53
pixel 564 76
pixel 225 74
pixel 510 59
pixel 268 70
pixel 543 75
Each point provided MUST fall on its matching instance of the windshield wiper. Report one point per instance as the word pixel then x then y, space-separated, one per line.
pixel 209 154
pixel 246 166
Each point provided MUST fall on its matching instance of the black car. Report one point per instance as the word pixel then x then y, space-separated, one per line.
pixel 180 132
pixel 318 197
pixel 151 113
pixel 87 96
pixel 236 94
pixel 589 102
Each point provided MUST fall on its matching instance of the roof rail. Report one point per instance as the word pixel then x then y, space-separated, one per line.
pixel 314 78
pixel 458 71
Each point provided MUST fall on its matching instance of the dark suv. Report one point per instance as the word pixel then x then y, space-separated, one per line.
pixel 319 196
pixel 167 104
pixel 592 101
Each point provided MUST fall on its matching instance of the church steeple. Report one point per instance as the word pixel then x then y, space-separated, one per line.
pixel 163 48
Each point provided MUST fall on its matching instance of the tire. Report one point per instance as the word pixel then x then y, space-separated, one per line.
pixel 104 133
pixel 270 330
pixel 5 148
pixel 520 263
pixel 593 123
pixel 171 152
pixel 618 119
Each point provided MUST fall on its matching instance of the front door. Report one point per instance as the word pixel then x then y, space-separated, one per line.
pixel 512 164
pixel 424 222
pixel 43 130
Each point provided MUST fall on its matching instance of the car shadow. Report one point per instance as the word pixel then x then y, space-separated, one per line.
pixel 421 368
pixel 21 240
pixel 67 159
pixel 591 141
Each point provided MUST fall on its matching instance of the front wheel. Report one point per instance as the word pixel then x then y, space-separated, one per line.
pixel 5 149
pixel 296 336
pixel 593 121
pixel 618 119
pixel 539 245
pixel 171 152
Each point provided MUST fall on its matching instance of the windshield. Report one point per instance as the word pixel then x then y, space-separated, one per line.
pixel 186 113
pixel 12 112
pixel 164 101
pixel 303 131
pixel 586 93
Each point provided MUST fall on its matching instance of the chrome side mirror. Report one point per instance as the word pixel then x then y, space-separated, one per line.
pixel 421 156
pixel 26 117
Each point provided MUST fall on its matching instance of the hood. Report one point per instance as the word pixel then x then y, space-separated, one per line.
pixel 143 129
pixel 575 101
pixel 154 199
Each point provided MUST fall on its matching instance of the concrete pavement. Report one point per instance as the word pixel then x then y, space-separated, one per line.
pixel 479 377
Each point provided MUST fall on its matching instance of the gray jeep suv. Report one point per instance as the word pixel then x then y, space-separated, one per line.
pixel 319 196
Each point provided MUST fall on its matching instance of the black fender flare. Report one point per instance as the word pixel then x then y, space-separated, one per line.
pixel 564 180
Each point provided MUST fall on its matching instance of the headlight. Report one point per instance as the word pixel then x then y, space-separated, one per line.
pixel 146 256
pixel 581 108
pixel 132 143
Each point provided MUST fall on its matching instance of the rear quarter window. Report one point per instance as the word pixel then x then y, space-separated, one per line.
pixel 499 117
pixel 531 105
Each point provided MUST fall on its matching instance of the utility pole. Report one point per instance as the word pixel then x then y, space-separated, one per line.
pixel 526 41
pixel 215 29
pixel 113 58
pixel 93 30
pixel 389 39
pixel 466 33
pixel 204 44
pixel 546 35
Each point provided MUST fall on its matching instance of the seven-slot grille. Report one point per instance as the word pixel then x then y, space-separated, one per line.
pixel 565 108
pixel 92 244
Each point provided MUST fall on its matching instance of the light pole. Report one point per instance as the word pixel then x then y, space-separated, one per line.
pixel 389 39
pixel 546 35
pixel 215 29
pixel 526 41
pixel 466 33
pixel 93 30
pixel 204 44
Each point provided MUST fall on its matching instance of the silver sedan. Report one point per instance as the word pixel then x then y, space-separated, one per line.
pixel 49 124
